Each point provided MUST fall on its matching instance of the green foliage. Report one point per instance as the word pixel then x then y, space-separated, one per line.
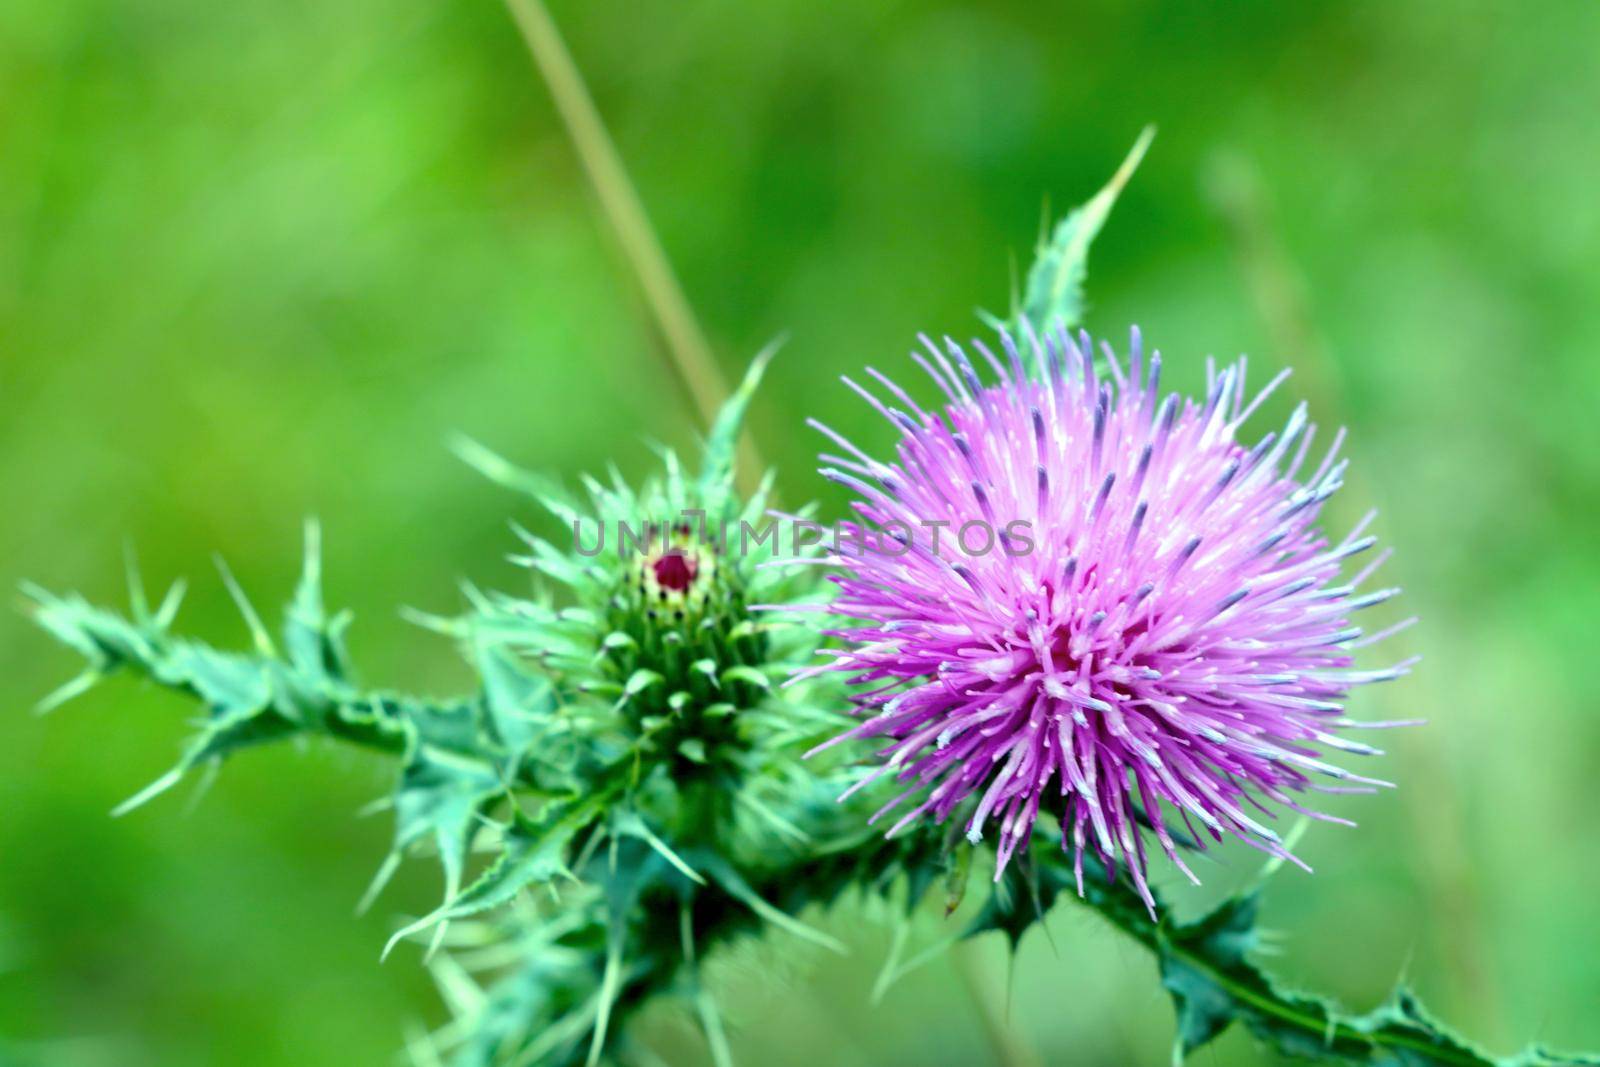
pixel 1052 295
pixel 631 762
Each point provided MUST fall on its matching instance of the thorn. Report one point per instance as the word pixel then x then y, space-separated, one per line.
pixel 313 552
pixel 137 603
pixel 73 689
pixel 386 871
pixel 170 604
pixel 148 793
pixel 258 632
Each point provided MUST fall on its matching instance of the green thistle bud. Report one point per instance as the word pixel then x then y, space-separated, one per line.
pixel 654 644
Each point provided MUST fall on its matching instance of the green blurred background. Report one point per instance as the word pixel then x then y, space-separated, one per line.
pixel 258 261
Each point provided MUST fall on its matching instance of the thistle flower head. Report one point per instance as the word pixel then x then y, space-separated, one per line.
pixel 1084 599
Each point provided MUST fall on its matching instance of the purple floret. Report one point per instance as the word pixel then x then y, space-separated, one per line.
pixel 1129 615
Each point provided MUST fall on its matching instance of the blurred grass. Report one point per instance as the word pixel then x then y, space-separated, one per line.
pixel 257 261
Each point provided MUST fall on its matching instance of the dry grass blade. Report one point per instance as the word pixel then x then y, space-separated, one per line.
pixel 686 344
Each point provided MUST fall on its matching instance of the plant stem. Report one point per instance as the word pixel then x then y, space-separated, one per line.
pixel 686 344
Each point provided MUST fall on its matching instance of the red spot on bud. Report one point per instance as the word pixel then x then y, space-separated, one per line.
pixel 674 570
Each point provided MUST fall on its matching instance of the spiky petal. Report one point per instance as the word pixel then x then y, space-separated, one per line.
pixel 1109 609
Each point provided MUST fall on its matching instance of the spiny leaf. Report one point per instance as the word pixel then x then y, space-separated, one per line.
pixel 249 698
pixel 459 756
pixel 1052 296
pixel 533 853
pixel 1206 967
pixel 441 797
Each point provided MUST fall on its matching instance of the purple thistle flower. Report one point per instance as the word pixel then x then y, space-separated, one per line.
pixel 1079 596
